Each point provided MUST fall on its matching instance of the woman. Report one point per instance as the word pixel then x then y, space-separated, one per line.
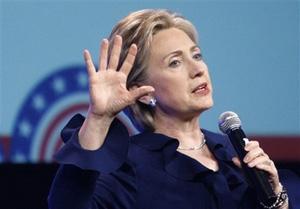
pixel 153 64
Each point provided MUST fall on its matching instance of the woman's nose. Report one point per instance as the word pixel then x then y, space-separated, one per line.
pixel 197 68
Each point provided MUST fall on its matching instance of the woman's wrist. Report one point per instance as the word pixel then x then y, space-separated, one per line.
pixel 280 200
pixel 93 131
pixel 278 189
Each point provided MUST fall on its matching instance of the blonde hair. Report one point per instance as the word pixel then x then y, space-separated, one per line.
pixel 139 28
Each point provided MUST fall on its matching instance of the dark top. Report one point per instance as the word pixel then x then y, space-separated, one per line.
pixel 146 172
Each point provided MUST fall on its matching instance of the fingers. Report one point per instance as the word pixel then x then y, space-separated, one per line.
pixel 256 157
pixel 141 91
pixel 115 56
pixel 103 55
pixel 263 163
pixel 260 159
pixel 129 61
pixel 252 154
pixel 89 62
pixel 255 154
pixel 115 53
pixel 251 145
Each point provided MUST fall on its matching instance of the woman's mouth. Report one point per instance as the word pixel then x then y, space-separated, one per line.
pixel 201 89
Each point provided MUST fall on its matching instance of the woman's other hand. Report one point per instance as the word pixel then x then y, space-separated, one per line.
pixel 257 158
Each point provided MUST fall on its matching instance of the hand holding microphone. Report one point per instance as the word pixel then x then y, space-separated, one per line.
pixel 259 170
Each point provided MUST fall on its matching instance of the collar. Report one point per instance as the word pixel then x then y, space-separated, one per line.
pixel 155 141
pixel 185 168
pixel 178 164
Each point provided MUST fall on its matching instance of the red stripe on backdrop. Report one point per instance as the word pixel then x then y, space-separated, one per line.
pixel 53 124
pixel 58 145
pixel 280 148
pixel 5 142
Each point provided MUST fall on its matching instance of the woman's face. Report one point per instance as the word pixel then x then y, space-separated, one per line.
pixel 178 74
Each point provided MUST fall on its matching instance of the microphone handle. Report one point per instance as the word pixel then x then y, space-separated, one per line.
pixel 256 178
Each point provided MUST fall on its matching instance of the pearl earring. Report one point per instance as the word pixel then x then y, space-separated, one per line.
pixel 152 102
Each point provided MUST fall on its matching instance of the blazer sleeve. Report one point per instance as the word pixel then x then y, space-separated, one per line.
pixel 93 179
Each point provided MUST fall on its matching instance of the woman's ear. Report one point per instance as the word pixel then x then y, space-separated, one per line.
pixel 146 99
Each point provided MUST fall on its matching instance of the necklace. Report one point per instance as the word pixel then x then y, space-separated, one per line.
pixel 197 147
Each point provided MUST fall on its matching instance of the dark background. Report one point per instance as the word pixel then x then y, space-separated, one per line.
pixel 26 186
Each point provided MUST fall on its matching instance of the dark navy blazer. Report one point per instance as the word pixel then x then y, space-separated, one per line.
pixel 146 172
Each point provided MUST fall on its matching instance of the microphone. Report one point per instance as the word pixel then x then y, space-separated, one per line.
pixel 230 124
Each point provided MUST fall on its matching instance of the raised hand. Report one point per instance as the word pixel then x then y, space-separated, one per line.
pixel 108 92
pixel 107 86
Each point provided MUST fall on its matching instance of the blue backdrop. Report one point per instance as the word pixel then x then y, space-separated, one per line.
pixel 251 48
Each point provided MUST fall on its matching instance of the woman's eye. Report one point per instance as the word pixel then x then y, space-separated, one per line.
pixel 174 63
pixel 197 56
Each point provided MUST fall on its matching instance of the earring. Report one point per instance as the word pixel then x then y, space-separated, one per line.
pixel 152 102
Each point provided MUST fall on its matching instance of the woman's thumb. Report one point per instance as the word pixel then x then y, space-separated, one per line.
pixel 141 91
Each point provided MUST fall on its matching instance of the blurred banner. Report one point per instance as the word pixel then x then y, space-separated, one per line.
pixel 251 48
pixel 44 112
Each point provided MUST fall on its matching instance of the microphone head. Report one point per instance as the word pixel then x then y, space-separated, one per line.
pixel 229 121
